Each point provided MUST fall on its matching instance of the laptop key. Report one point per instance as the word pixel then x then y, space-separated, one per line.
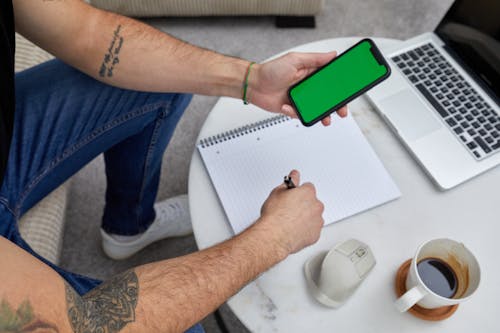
pixel 477 154
pixel 489 139
pixel 451 122
pixel 495 134
pixel 472 145
pixel 475 124
pixel 496 145
pixel 458 130
pixel 471 132
pixel 482 144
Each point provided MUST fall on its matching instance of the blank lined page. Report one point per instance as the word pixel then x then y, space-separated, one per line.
pixel 246 164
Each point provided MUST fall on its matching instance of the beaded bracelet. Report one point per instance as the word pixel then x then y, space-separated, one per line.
pixel 245 83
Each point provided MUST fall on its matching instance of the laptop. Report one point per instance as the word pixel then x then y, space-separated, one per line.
pixel 442 99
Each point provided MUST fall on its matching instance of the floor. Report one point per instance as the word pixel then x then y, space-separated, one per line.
pixel 253 38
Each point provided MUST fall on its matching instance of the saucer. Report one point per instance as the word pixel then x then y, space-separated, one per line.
pixel 416 310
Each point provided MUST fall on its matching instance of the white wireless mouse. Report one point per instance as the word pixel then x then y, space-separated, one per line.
pixel 333 276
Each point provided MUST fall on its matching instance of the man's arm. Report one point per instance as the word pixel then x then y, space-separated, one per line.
pixel 130 54
pixel 165 296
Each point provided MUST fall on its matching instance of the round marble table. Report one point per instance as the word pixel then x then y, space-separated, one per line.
pixel 278 301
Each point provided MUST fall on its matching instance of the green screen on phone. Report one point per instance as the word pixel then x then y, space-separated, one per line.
pixel 342 78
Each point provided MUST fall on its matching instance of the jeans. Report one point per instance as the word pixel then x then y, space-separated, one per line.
pixel 63 120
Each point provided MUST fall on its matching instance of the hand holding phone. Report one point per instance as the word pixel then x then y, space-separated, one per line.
pixel 332 86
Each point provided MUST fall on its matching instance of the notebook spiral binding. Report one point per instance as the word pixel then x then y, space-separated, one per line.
pixel 232 134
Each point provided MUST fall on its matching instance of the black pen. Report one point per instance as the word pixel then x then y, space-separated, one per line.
pixel 289 182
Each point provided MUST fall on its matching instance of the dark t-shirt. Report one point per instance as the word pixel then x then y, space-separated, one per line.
pixel 7 99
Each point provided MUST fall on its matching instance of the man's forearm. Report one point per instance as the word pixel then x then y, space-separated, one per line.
pixel 173 295
pixel 134 55
pixel 125 52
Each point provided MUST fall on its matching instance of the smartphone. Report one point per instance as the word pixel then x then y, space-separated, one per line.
pixel 332 86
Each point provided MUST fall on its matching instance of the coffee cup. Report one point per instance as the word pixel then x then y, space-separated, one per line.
pixel 443 272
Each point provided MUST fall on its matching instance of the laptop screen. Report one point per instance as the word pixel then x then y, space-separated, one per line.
pixel 471 30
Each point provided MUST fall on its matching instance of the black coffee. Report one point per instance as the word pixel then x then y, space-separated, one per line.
pixel 438 276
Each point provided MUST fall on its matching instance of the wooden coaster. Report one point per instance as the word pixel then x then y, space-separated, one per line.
pixel 416 310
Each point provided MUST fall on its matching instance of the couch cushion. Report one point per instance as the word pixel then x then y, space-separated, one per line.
pixel 151 8
pixel 43 225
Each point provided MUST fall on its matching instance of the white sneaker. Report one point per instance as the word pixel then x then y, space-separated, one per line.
pixel 172 220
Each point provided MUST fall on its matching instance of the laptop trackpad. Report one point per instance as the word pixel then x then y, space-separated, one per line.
pixel 409 115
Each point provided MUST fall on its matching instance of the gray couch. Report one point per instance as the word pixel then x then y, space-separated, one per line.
pixel 155 8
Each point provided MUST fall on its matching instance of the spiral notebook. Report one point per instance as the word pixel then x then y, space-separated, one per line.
pixel 246 163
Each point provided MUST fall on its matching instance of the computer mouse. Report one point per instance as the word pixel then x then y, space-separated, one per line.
pixel 333 276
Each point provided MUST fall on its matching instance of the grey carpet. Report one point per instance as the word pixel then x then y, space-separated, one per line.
pixel 253 38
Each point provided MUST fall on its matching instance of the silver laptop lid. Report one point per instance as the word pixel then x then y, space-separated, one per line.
pixel 471 31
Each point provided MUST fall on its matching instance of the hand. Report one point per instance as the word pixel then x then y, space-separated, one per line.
pixel 293 216
pixel 269 82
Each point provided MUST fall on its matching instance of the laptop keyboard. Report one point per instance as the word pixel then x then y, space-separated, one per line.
pixel 470 118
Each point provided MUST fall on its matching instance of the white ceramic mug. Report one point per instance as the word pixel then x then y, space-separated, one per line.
pixel 461 261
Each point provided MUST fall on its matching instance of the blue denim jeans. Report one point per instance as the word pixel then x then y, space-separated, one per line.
pixel 63 120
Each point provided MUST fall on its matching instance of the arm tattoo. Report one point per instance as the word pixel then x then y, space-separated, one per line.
pixel 22 320
pixel 111 56
pixel 105 309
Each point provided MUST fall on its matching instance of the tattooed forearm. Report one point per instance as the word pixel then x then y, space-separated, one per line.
pixel 111 58
pixel 22 320
pixel 107 308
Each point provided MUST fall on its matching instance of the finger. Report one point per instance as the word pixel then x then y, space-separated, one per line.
pixel 326 121
pixel 295 175
pixel 310 187
pixel 342 112
pixel 288 110
pixel 315 59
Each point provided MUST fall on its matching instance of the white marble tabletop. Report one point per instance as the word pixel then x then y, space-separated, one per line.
pixel 278 301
